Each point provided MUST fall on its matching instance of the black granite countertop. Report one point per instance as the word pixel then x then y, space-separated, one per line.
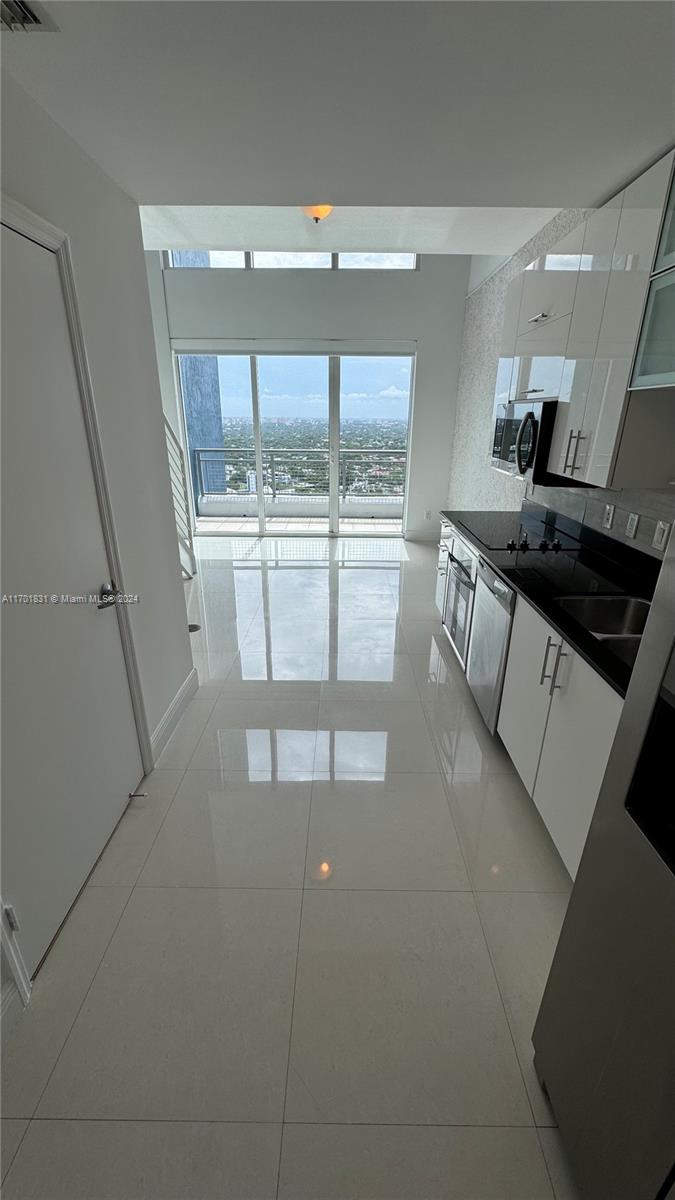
pixel 586 563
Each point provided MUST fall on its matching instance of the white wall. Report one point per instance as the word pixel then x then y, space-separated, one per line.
pixel 46 171
pixel 352 309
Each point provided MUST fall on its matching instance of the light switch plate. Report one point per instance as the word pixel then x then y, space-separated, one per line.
pixel 608 518
pixel 660 537
pixel 632 524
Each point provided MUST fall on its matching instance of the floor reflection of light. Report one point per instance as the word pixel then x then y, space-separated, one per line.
pixel 322 871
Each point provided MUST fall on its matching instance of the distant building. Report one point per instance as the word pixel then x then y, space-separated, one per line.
pixel 201 399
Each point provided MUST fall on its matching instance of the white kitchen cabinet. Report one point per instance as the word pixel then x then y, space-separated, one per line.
pixel 547 301
pixel 507 346
pixel 557 721
pixel 525 697
pixel 582 722
pixel 549 284
pixel 632 261
pixel 599 238
pixel 665 256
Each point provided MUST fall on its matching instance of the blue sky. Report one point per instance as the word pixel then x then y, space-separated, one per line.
pixel 290 386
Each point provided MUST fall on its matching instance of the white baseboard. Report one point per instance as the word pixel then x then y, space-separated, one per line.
pixel 173 713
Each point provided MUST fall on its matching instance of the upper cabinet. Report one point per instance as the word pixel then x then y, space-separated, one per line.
pixel 599 239
pixel 655 359
pixel 549 285
pixel 618 252
pixel 665 256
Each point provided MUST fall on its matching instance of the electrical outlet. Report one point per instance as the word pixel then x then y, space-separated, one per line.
pixel 608 519
pixel 660 537
pixel 632 524
pixel 427 514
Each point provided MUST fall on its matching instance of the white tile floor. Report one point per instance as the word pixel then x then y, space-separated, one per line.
pixel 308 963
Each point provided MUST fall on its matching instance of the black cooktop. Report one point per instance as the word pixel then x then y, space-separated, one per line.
pixel 494 530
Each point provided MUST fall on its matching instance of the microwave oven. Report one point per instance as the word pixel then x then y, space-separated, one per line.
pixel 522 438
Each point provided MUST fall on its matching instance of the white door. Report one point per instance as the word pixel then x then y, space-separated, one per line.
pixel 70 747
pixel 582 722
pixel 525 698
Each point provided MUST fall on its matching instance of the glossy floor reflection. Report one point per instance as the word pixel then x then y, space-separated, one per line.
pixel 309 960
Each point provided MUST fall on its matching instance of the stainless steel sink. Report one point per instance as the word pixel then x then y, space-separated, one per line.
pixel 625 648
pixel 607 616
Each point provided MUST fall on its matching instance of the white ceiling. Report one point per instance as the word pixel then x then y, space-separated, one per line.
pixel 511 105
pixel 424 230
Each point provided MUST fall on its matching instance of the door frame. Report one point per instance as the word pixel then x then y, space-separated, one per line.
pixel 28 224
pixel 333 350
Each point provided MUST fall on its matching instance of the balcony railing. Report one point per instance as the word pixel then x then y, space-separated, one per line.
pixel 369 478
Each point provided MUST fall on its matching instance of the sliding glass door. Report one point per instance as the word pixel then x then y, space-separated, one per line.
pixel 374 413
pixel 294 438
pixel 297 443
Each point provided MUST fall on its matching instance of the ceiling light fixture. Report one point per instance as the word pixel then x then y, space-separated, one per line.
pixel 318 212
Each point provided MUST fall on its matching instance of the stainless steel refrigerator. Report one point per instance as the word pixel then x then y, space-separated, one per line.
pixel 605 1035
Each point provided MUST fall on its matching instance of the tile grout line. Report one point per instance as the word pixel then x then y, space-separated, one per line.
pixel 295 973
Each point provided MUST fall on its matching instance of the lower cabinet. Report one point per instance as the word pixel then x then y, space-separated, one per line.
pixel 582 721
pixel 525 699
pixel 557 720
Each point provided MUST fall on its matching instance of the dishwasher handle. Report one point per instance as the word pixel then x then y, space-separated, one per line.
pixel 500 590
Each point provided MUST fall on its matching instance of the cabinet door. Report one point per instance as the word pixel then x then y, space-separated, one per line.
pixel 631 264
pixel 655 360
pixel 581 726
pixel 525 698
pixel 507 347
pixel 665 257
pixel 600 232
pixel 549 284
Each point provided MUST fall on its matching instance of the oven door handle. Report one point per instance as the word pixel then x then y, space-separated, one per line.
pixel 462 575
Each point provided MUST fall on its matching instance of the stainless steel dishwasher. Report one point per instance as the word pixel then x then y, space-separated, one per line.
pixel 492 615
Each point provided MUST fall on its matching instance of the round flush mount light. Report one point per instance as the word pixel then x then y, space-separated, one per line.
pixel 318 212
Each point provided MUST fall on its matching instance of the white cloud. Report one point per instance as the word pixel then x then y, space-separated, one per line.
pixel 393 392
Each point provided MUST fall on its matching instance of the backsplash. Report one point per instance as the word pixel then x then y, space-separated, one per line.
pixel 587 505
pixel 474 484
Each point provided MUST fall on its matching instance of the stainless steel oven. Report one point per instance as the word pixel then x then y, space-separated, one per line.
pixel 459 594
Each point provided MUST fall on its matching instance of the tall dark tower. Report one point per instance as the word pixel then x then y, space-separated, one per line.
pixel 203 419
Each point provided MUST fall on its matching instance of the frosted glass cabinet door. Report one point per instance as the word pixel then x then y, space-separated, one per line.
pixel 655 361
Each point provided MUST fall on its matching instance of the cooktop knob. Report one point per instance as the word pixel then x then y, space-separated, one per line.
pixel 556 545
pixel 543 545
pixel 524 545
pixel 511 545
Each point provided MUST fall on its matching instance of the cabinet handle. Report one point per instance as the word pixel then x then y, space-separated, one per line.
pixel 561 654
pixel 543 676
pixel 542 316
pixel 570 439
pixel 574 466
pixel 530 391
